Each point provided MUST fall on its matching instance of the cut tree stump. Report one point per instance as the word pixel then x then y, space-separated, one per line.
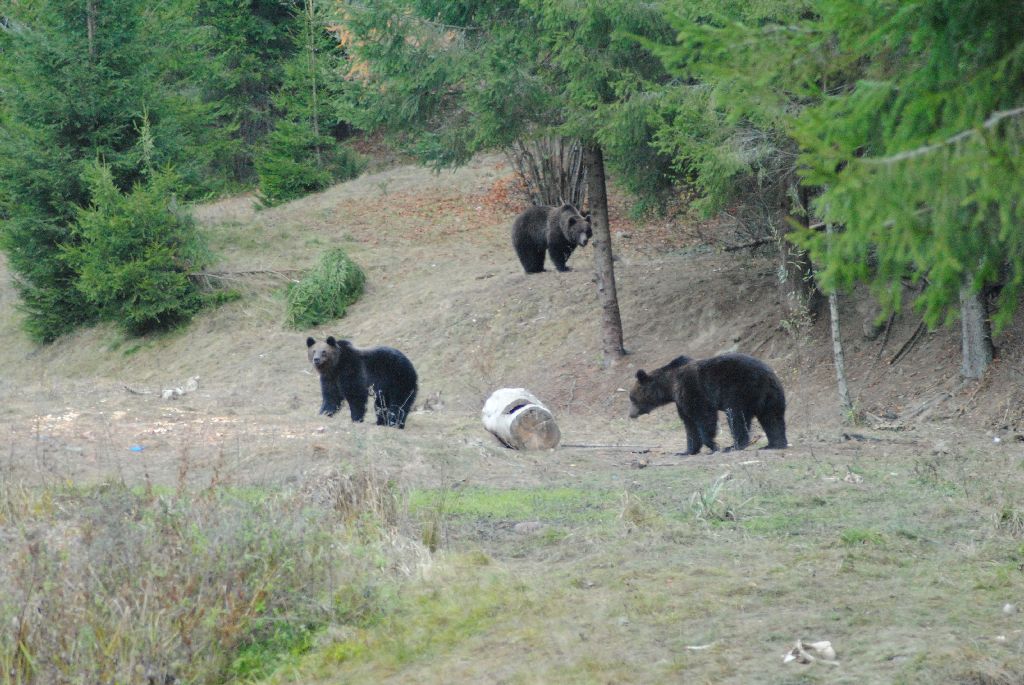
pixel 519 420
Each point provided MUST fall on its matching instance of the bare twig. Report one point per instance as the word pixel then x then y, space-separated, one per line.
pixel 993 119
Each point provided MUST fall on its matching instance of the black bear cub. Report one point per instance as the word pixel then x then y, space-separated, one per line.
pixel 557 230
pixel 347 372
pixel 741 386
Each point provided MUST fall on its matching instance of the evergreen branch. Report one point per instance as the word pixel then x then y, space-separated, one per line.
pixel 994 119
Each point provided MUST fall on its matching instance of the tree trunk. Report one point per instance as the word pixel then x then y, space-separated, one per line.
pixel 604 270
pixel 90 28
pixel 799 295
pixel 796 282
pixel 845 404
pixel 311 39
pixel 976 334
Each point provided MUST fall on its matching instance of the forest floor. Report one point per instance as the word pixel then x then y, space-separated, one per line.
pixel 612 558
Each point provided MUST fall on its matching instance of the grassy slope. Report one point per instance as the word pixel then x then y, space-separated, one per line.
pixel 575 566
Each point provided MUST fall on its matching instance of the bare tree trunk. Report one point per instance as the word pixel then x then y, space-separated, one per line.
pixel 845 404
pixel 90 27
pixel 976 334
pixel 604 270
pixel 800 297
pixel 796 281
pixel 311 38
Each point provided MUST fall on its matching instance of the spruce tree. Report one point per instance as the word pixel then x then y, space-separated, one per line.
pixel 79 79
pixel 921 157
pixel 908 122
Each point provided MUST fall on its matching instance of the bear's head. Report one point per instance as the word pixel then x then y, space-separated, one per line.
pixel 575 226
pixel 650 391
pixel 639 395
pixel 323 355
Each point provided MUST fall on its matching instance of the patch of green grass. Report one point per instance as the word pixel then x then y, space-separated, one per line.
pixel 565 504
pixel 859 536
pixel 280 643
pixel 464 600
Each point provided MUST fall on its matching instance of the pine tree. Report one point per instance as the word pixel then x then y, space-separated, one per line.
pixel 302 155
pixel 78 80
pixel 250 43
pixel 133 253
pixel 922 159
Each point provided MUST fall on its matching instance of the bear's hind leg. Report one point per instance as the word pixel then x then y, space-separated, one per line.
pixel 739 426
pixel 532 259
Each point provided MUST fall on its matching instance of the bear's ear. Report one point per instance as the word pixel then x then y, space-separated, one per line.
pixel 331 341
pixel 642 376
pixel 310 342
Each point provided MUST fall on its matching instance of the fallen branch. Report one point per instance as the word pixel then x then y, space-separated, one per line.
pixel 286 274
pixel 744 246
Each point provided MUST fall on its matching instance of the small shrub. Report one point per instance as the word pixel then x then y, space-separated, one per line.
pixel 326 291
pixel 1010 518
pixel 135 253
pixel 707 504
pixel 297 162
pixel 635 512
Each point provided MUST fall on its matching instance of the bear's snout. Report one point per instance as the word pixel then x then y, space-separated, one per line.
pixel 582 240
pixel 634 411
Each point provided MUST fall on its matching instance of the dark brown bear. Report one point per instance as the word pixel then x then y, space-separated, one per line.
pixel 741 386
pixel 557 230
pixel 347 372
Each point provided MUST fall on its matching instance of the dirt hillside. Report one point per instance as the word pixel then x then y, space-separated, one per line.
pixel 443 285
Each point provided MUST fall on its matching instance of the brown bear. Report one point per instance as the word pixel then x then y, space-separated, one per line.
pixel 741 386
pixel 557 230
pixel 347 372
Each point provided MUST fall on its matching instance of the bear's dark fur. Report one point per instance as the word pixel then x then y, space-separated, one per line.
pixel 347 372
pixel 741 386
pixel 557 230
